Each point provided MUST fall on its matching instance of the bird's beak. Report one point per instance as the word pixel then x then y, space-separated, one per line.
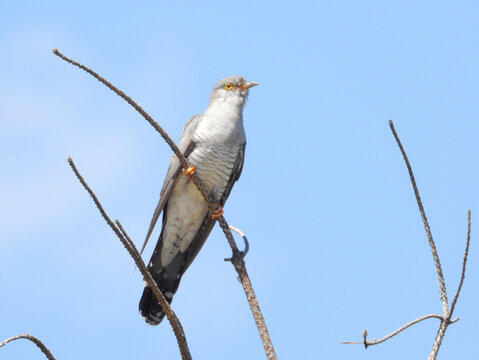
pixel 247 85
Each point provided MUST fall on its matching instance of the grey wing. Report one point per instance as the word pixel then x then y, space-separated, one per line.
pixel 208 222
pixel 186 146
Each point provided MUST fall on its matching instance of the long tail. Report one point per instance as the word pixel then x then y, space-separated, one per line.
pixel 150 308
pixel 168 279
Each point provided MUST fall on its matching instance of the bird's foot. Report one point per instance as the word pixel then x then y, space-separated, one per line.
pixel 218 212
pixel 189 171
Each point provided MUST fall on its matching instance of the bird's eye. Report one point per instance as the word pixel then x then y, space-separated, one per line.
pixel 228 86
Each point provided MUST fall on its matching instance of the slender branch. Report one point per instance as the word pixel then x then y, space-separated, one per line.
pixel 446 317
pixel 237 258
pixel 130 247
pixel 33 339
pixel 394 333
pixel 463 274
pixel 442 329
pixel 442 284
pixel 438 341
pixel 123 232
pixel 240 267
pixel 127 99
pixel 184 162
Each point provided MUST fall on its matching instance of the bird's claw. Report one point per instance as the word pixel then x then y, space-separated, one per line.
pixel 238 255
pixel 218 212
pixel 190 170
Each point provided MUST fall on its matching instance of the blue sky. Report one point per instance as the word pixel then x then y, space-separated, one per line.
pixel 337 244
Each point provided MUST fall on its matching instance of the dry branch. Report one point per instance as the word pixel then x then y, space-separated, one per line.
pixel 444 324
pixel 367 343
pixel 442 284
pixel 34 340
pixel 447 313
pixel 238 257
pixel 131 248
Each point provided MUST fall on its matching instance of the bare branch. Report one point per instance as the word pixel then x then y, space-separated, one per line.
pixel 237 258
pixel 130 247
pixel 446 317
pixel 33 339
pixel 442 284
pixel 123 232
pixel 128 100
pixel 211 203
pixel 394 333
pixel 238 262
pixel 442 329
pixel 463 274
pixel 438 341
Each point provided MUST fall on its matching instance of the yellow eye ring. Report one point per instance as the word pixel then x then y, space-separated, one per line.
pixel 228 86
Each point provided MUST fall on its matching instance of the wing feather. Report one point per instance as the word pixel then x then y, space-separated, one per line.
pixel 186 146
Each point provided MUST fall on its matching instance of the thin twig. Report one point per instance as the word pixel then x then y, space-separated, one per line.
pixel 446 317
pixel 127 99
pixel 442 329
pixel 130 242
pixel 237 258
pixel 130 247
pixel 240 267
pixel 394 333
pixel 442 284
pixel 33 339
pixel 438 340
pixel 463 274
pixel 212 206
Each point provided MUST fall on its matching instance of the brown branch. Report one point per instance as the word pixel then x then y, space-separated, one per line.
pixel 446 317
pixel 127 99
pixel 212 206
pixel 463 274
pixel 237 258
pixel 367 343
pixel 130 247
pixel 442 284
pixel 33 339
pixel 442 329
pixel 252 300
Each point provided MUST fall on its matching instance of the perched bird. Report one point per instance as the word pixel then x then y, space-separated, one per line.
pixel 214 144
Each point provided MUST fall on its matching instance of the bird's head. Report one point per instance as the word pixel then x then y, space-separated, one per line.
pixel 232 88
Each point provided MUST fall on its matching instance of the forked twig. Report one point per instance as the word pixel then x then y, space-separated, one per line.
pixel 442 329
pixel 237 258
pixel 131 248
pixel 34 340
pixel 446 317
